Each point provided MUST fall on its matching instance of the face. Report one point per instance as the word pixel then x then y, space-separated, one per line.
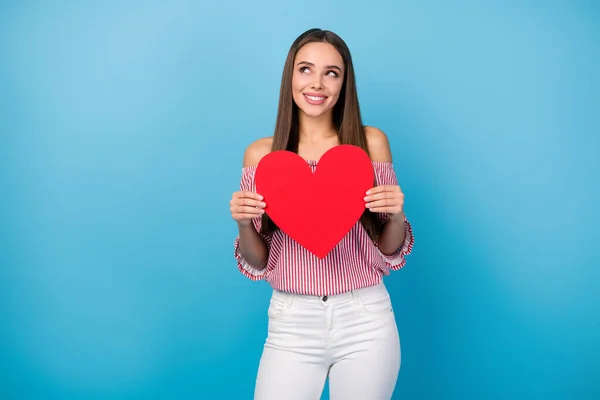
pixel 317 79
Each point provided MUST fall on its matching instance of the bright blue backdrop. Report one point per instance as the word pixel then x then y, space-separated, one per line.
pixel 122 128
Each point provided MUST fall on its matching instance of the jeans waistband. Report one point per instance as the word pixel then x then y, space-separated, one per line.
pixel 362 293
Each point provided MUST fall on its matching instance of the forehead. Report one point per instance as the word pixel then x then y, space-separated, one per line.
pixel 319 54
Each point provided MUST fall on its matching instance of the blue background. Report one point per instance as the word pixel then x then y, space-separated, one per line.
pixel 122 129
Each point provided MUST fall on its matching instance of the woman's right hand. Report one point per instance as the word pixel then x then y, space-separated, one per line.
pixel 246 206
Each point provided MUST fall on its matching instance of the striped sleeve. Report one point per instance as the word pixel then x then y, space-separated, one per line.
pixel 247 185
pixel 385 175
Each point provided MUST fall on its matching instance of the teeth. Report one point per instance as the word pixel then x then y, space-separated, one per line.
pixel 316 98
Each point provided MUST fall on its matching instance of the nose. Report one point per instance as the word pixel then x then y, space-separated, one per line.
pixel 317 83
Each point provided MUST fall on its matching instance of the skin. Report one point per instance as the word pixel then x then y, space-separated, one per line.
pixel 318 70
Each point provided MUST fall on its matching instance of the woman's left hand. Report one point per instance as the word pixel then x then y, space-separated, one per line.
pixel 386 199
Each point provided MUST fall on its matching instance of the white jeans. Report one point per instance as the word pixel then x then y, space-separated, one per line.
pixel 352 338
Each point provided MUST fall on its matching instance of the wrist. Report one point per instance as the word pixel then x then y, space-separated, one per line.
pixel 244 225
pixel 398 217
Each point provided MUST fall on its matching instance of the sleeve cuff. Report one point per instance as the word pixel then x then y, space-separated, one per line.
pixel 244 267
pixel 397 260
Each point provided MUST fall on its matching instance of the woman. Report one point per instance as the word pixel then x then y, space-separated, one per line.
pixel 328 317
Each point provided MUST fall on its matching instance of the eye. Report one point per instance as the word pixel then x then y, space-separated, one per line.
pixel 304 69
pixel 332 73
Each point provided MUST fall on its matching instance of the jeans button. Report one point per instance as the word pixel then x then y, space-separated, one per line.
pixel 324 298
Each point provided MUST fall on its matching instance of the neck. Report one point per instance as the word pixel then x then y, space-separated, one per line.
pixel 312 130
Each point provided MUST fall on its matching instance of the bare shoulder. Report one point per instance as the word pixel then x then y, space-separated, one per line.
pixel 379 145
pixel 257 150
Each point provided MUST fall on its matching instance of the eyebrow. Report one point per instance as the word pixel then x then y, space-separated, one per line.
pixel 312 65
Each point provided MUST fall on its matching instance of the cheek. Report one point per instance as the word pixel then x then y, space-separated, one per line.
pixel 296 88
pixel 335 88
pixel 298 83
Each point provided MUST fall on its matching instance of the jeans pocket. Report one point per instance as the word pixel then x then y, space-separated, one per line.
pixel 376 306
pixel 277 309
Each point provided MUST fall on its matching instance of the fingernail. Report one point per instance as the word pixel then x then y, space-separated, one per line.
pixel 260 197
pixel 263 204
pixel 368 191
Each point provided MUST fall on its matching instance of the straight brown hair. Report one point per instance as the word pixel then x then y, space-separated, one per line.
pixel 346 114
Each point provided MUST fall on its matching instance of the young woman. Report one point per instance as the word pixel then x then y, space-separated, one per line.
pixel 328 317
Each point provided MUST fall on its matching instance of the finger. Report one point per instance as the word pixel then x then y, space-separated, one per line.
pixel 377 189
pixel 253 195
pixel 384 189
pixel 392 209
pixel 379 196
pixel 247 210
pixel 239 217
pixel 242 216
pixel 254 203
pixel 397 197
pixel 380 203
pixel 249 203
pixel 249 195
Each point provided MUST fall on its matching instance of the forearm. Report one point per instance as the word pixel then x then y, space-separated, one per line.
pixel 393 234
pixel 252 246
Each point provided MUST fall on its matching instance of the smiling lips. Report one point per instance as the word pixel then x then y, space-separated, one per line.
pixel 314 99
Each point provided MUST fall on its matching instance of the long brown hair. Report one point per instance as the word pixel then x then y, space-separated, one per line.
pixel 346 114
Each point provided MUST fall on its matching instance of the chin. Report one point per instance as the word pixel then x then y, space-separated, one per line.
pixel 314 113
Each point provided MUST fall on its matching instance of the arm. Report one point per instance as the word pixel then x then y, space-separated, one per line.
pixel 386 199
pixel 247 205
pixel 252 247
pixel 393 234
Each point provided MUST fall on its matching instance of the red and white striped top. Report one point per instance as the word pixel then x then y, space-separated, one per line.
pixel 356 262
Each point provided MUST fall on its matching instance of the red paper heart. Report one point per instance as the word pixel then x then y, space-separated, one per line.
pixel 316 210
